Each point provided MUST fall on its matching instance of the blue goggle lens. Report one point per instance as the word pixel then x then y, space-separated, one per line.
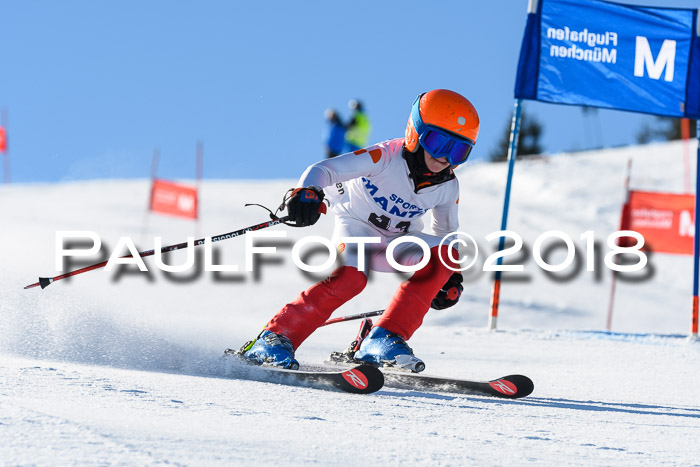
pixel 440 144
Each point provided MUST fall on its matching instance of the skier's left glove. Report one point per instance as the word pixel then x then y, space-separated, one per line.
pixel 305 206
pixel 449 293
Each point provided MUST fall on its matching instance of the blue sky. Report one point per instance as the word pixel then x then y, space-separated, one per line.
pixel 92 88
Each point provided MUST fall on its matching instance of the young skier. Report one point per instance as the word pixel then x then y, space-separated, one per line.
pixel 382 191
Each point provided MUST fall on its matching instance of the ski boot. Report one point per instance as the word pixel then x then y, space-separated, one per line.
pixel 270 349
pixel 384 348
pixel 387 349
pixel 348 355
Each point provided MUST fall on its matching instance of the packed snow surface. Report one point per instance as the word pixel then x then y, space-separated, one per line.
pixel 125 367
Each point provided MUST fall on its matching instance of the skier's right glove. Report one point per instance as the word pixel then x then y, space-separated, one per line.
pixel 305 206
pixel 450 292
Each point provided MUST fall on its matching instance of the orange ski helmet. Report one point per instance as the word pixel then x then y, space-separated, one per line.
pixel 445 123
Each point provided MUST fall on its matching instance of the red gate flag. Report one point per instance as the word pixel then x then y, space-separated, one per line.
pixel 3 139
pixel 664 219
pixel 174 199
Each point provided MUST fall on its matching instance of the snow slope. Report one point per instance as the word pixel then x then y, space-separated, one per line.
pixel 127 369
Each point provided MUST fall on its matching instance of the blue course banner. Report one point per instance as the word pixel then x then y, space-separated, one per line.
pixel 603 54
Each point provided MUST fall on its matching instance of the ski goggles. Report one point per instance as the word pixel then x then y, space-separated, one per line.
pixel 438 142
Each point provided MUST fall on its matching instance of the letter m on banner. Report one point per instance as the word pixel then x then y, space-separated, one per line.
pixel 173 199
pixel 603 54
pixel 644 59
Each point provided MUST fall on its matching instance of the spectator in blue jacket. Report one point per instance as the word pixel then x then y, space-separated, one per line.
pixel 335 141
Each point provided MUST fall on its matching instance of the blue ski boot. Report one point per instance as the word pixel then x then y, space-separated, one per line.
pixel 271 349
pixel 385 348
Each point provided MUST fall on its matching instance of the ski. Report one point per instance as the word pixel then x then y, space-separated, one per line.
pixel 509 387
pixel 360 379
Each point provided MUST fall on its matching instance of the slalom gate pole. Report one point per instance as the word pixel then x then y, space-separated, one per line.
pixel 685 137
pixel 46 281
pixel 696 240
pixel 199 157
pixel 512 154
pixel 352 317
pixel 147 212
pixel 623 226
pixel 6 152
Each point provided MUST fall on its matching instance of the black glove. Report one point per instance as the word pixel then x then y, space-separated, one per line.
pixel 306 206
pixel 450 292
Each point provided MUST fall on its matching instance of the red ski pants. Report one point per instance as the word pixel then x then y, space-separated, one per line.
pixel 404 314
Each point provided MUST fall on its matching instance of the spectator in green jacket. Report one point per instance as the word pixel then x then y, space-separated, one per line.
pixel 359 127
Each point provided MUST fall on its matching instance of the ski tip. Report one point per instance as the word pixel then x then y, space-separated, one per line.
pixel 512 386
pixel 362 379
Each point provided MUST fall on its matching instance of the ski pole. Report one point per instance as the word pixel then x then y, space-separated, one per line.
pixel 46 281
pixel 351 317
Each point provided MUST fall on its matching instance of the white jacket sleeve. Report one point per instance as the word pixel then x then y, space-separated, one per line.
pixel 365 162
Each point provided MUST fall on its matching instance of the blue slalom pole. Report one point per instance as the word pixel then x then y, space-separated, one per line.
pixel 512 154
pixel 696 240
